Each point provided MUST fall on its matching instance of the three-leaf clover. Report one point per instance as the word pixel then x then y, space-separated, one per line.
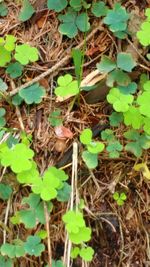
pixel 114 147
pixel 33 246
pixel 72 22
pixel 120 198
pixel 144 34
pixel 30 217
pixel 14 70
pixel 117 19
pixel 66 86
pixel 133 117
pixel 55 119
pixel 12 251
pixel 99 9
pixel 120 102
pixel 32 94
pixel 17 157
pixel 115 118
pixel 24 53
pixel 74 221
pixel 86 253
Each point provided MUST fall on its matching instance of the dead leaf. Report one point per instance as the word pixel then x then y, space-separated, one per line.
pixel 63 132
pixel 40 22
pixel 130 214
pixel 142 167
pixel 60 145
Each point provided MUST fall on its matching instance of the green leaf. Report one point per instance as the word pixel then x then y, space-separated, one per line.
pixel 5 191
pixel 143 100
pixel 57 5
pixel 10 42
pixel 33 246
pixel 75 252
pixel 3 86
pixel 125 61
pixel 5 262
pixel 76 4
pixel 5 56
pixel 90 159
pixel 82 22
pixel 107 135
pixel 114 147
pixel 129 89
pixel 117 18
pixel 68 26
pixel 115 119
pixel 24 53
pixel 64 193
pixel 12 251
pixel 146 86
pixel 83 235
pixel 42 234
pixel 17 100
pixel 119 101
pixel 73 221
pixel 118 76
pixel 106 65
pixel 52 181
pixel 77 59
pixel 18 157
pixel 54 118
pixel 14 70
pixel 30 217
pixel 86 253
pixel 86 136
pixel 147 125
pixel 32 94
pixel 66 86
pixel 144 34
pixel 3 10
pixel 99 9
pixel 95 147
pixel 116 196
pixel 133 118
pixel 58 263
pixel 27 11
pixel 2 112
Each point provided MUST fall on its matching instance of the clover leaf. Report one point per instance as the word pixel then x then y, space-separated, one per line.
pixel 86 136
pixel 107 135
pixel 5 262
pixel 58 263
pixel 117 18
pixel 143 101
pixel 5 56
pixel 33 246
pixel 14 70
pixel 144 34
pixel 138 143
pixel 27 11
pixel 66 86
pixel 5 191
pixel 133 117
pixel 118 76
pixel 90 159
pixel 99 9
pixel 125 61
pixel 129 89
pixel 120 198
pixel 63 194
pixel 114 147
pixel 12 251
pixel 2 119
pixel 48 186
pixel 32 94
pixel 73 221
pixel 24 53
pixel 146 85
pixel 146 126
pixel 57 5
pixel 95 147
pixel 119 101
pixel 106 65
pixel 115 119
pixel 30 217
pixel 55 119
pixel 83 235
pixel 76 4
pixel 86 253
pixel 72 21
pixel 17 157
pixel 3 10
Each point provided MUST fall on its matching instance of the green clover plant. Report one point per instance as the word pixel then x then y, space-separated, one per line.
pixel 119 198
pixel 90 156
pixel 143 34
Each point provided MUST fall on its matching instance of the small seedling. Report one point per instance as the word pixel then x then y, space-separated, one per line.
pixel 119 198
